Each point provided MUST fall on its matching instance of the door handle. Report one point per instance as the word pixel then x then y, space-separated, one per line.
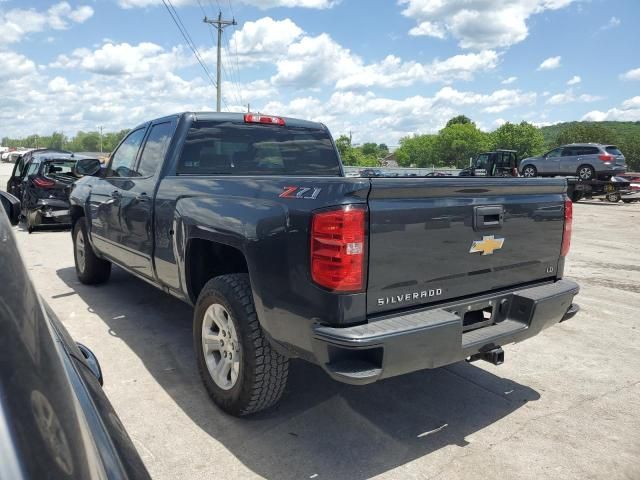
pixel 143 197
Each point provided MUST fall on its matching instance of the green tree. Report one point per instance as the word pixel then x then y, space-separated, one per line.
pixel 416 150
pixel 524 137
pixel 457 143
pixel 56 140
pixel 343 143
pixel 370 149
pixel 459 120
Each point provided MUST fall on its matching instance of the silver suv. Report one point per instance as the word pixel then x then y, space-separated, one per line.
pixel 588 161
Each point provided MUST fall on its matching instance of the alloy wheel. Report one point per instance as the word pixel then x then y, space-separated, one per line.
pixel 220 346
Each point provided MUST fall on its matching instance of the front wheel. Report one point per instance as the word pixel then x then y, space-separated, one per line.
pixel 90 269
pixel 529 171
pixel 242 373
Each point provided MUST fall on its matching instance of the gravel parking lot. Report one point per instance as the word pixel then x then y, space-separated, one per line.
pixel 564 405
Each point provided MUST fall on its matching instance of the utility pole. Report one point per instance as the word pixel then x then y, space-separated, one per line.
pixel 219 25
pixel 100 127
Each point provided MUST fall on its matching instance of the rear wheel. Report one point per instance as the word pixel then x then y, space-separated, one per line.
pixel 238 367
pixel 586 172
pixel 529 171
pixel 614 197
pixel 90 269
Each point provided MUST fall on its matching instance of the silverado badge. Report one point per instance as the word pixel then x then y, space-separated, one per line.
pixel 487 245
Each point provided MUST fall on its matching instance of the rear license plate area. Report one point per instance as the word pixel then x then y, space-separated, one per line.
pixel 473 319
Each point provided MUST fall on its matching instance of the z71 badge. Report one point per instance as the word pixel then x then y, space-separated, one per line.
pixel 309 193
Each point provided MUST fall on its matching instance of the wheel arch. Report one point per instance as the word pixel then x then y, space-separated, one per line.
pixel 206 259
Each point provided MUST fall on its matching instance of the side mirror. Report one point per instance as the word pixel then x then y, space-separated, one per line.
pixel 11 206
pixel 87 166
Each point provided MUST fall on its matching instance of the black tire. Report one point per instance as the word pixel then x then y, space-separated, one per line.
pixel 29 221
pixel 95 270
pixel 586 172
pixel 529 171
pixel 576 196
pixel 263 372
pixel 614 197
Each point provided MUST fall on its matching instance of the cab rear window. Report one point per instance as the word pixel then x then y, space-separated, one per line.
pixel 214 148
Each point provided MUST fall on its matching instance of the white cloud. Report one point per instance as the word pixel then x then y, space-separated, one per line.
pixel 15 65
pixel 479 24
pixel 550 63
pixel 508 81
pixel 630 103
pixel 261 4
pixel 495 102
pixel 265 39
pixel 631 74
pixel 574 80
pixel 569 96
pixel 629 111
pixel 612 23
pixel 428 29
pixel 16 23
pixel 124 59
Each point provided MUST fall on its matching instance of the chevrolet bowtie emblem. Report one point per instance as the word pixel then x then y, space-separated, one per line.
pixel 487 245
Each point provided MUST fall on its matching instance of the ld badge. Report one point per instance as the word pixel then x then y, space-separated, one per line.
pixel 487 245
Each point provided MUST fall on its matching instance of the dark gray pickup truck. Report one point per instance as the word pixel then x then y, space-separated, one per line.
pixel 251 219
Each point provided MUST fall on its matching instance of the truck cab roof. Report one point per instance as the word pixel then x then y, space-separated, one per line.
pixel 235 117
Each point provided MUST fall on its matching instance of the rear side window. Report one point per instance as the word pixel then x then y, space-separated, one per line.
pixel 33 168
pixel 155 148
pixel 59 167
pixel 588 151
pixel 613 150
pixel 216 148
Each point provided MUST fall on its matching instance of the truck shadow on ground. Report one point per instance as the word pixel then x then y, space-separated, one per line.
pixel 320 427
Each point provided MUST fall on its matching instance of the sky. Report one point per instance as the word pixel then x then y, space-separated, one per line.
pixel 380 69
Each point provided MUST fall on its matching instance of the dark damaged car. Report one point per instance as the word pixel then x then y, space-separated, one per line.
pixel 45 190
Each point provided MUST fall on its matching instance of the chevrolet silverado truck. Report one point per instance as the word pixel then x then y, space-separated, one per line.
pixel 251 219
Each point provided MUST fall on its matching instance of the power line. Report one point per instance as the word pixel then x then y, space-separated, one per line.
pixel 187 38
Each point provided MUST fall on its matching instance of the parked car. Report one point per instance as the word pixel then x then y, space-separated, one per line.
pixel 587 161
pixel 371 172
pixel 251 219
pixel 498 163
pixel 14 185
pixel 43 185
pixel 55 420
pixel 45 190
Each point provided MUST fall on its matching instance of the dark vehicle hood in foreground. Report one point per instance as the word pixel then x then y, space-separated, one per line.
pixel 55 421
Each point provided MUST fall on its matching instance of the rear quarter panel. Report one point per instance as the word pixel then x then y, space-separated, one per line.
pixel 272 232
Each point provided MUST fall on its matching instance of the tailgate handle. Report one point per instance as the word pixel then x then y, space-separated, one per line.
pixel 488 217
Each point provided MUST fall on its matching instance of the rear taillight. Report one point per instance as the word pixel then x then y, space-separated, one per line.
pixel 268 119
pixel 606 158
pixel 338 248
pixel 43 182
pixel 568 226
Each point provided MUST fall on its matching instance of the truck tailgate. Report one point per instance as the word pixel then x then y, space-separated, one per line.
pixel 444 238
